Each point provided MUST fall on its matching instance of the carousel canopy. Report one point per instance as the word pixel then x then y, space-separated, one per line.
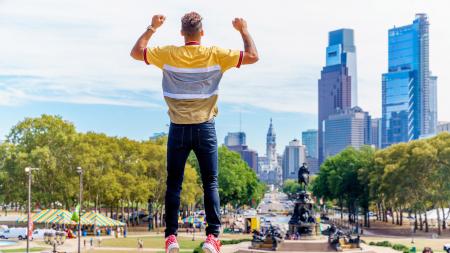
pixel 100 220
pixel 53 216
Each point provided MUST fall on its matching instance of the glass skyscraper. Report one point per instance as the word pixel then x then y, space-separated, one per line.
pixel 337 85
pixel 406 91
pixel 341 50
pixel 309 139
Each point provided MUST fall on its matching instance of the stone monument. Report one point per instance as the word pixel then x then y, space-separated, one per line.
pixel 303 222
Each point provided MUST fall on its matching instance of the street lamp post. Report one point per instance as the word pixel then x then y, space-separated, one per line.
pixel 80 173
pixel 28 170
pixel 193 226
pixel 357 216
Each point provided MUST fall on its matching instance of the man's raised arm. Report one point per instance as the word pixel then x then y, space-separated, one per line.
pixel 138 50
pixel 250 54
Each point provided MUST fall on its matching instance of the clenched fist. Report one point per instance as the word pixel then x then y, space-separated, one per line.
pixel 158 20
pixel 240 24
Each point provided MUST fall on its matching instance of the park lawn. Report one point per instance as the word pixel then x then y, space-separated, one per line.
pixel 21 250
pixel 156 242
pixel 436 244
pixel 117 251
pixel 235 236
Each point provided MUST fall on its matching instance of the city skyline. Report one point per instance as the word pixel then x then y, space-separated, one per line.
pixel 109 93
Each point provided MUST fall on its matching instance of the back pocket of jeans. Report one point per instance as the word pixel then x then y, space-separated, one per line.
pixel 207 139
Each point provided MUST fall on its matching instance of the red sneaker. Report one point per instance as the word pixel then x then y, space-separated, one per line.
pixel 211 245
pixel 172 244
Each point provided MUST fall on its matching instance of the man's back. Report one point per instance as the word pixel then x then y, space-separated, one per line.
pixel 191 76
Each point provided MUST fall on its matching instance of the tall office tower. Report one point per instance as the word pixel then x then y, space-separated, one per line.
pixel 406 91
pixel 293 157
pixel 349 127
pixel 237 143
pixel 309 139
pixel 375 131
pixel 341 50
pixel 235 139
pixel 433 105
pixel 250 157
pixel 338 80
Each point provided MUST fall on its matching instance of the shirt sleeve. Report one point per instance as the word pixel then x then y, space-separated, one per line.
pixel 228 58
pixel 157 56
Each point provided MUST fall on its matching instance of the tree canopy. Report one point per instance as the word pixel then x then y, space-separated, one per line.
pixel 117 172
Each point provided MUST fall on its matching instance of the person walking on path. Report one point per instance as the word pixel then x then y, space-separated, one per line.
pixel 140 243
pixel 191 76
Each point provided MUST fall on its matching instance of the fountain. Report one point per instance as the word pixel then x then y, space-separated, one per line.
pixel 303 223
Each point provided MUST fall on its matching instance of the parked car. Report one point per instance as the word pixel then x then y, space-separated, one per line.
pixel 14 233
pixel 39 233
pixel 2 234
pixel 447 247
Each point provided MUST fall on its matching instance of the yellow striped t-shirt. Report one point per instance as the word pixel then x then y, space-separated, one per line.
pixel 191 76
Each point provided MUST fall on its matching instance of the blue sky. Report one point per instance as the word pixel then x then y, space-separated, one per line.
pixel 71 58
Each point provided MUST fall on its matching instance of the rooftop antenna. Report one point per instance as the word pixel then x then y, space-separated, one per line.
pixel 240 120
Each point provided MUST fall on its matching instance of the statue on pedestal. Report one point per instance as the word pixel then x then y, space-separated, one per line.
pixel 303 176
pixel 302 221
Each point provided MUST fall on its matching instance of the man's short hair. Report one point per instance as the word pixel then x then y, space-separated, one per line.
pixel 191 23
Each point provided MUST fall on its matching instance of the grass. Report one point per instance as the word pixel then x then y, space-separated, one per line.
pixel 149 242
pixel 419 243
pixel 235 236
pixel 117 251
pixel 21 250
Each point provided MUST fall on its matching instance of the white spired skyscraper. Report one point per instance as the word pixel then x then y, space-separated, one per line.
pixel 269 167
pixel 271 145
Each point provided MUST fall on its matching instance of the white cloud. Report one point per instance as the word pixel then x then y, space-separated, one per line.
pixel 17 90
pixel 82 47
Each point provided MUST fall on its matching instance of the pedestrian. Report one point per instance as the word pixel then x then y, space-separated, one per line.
pixel 140 244
pixel 99 241
pixel 427 250
pixel 191 76
pixel 84 242
pixel 91 241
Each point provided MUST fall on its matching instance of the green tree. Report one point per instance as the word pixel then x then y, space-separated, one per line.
pixel 291 187
pixel 46 142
